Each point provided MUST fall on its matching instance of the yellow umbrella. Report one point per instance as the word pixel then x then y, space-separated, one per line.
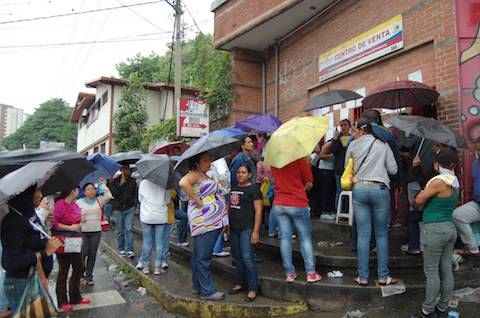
pixel 295 139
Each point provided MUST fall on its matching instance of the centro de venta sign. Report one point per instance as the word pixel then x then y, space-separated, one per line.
pixel 379 41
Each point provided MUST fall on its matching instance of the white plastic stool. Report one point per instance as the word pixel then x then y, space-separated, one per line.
pixel 348 215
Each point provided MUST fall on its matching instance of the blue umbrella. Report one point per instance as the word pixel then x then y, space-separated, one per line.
pixel 226 132
pixel 105 167
pixel 259 123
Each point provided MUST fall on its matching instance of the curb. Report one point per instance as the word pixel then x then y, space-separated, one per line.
pixel 194 307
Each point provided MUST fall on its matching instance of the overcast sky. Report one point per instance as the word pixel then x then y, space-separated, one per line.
pixel 33 71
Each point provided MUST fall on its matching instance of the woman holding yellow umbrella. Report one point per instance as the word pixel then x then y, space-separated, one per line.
pixel 287 152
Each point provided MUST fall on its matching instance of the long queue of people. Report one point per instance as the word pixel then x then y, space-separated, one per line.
pixel 216 202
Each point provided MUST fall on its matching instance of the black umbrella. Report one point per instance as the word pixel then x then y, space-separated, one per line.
pixel 68 175
pixel 427 128
pixel 329 98
pixel 216 146
pixel 127 158
pixel 159 170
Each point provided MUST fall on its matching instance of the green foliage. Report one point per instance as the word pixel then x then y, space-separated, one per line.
pixel 166 130
pixel 202 67
pixel 50 122
pixel 131 116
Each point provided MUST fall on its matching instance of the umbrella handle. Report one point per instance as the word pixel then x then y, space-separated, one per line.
pixel 420 147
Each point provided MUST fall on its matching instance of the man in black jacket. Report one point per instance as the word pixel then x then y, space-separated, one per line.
pixel 339 148
pixel 23 239
pixel 124 190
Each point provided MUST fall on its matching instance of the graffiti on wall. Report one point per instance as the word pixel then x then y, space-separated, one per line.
pixel 468 33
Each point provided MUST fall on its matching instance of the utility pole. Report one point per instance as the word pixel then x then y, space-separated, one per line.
pixel 178 61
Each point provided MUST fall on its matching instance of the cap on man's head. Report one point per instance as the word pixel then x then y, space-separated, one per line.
pixel 363 123
pixel 447 157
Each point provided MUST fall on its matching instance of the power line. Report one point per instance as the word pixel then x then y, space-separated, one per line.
pixel 169 69
pixel 141 16
pixel 79 43
pixel 191 16
pixel 77 13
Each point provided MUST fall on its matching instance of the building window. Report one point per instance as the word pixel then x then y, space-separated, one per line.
pixel 104 99
pixel 95 150
pixel 102 148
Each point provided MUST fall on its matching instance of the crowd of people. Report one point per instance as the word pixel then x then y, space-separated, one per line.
pixel 397 181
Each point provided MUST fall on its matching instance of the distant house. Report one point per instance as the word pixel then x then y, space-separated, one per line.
pixel 93 113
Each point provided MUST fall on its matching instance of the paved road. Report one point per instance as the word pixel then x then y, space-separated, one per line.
pixel 113 296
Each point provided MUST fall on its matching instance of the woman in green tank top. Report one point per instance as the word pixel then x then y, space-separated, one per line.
pixel 438 200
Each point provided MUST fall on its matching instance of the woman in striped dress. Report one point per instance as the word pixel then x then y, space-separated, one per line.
pixel 208 217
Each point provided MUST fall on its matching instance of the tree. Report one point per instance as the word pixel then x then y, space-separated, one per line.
pixel 203 67
pixel 50 122
pixel 131 116
pixel 166 130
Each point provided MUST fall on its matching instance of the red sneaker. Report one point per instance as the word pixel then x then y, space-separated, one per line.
pixel 67 308
pixel 313 277
pixel 291 277
pixel 85 301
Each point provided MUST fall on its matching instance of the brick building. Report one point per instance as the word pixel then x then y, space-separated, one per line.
pixel 282 51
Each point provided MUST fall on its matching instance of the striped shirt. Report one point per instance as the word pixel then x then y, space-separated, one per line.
pixel 92 211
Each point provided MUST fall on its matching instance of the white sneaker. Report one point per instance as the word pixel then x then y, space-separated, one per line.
pixel 122 253
pixel 183 244
pixel 158 271
pixel 222 254
pixel 404 248
pixel 164 265
pixel 130 254
pixel 146 270
pixel 139 266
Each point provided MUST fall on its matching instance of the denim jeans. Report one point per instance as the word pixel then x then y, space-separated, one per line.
pixel 107 207
pixel 272 224
pixel 438 242
pixel 166 241
pixel 218 247
pixel 371 202
pixel 339 190
pixel 243 254
pixel 182 225
pixel 14 288
pixel 153 233
pixel 414 218
pixel 3 297
pixel 201 259
pixel 124 229
pixel 289 216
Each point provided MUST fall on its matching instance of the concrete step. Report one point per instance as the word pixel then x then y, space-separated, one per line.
pixel 173 290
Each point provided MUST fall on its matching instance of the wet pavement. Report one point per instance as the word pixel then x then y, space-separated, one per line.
pixel 113 295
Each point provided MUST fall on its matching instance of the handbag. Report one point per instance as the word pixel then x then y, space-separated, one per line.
pixel 264 189
pixel 347 179
pixel 36 301
pixel 104 223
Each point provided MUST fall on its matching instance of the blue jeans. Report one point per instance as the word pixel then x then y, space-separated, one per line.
pixel 243 253
pixel 182 225
pixel 218 247
pixel 14 288
pixel 124 229
pixel 272 224
pixel 153 233
pixel 201 259
pixel 166 241
pixel 414 218
pixel 287 217
pixel 107 207
pixel 371 201
pixel 3 297
pixel 339 190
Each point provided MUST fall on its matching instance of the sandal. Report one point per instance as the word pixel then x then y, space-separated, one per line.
pixel 361 281
pixel 465 252
pixel 387 281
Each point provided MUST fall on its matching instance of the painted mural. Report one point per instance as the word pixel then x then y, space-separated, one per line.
pixel 468 33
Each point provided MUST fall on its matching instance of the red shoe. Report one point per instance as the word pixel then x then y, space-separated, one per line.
pixel 85 301
pixel 313 277
pixel 67 308
pixel 291 277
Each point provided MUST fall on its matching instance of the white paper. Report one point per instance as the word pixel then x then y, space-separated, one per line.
pixel 72 245
pixel 416 76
